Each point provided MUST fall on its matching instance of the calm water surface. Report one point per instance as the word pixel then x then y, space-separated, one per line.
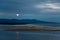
pixel 37 35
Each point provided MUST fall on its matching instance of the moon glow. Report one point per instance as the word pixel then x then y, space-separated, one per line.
pixel 17 14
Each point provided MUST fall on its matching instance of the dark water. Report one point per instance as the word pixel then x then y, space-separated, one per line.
pixel 50 24
pixel 37 35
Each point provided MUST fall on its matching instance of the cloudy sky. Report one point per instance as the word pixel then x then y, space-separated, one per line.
pixel 46 10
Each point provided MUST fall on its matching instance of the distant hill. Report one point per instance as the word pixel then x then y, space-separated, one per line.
pixel 24 21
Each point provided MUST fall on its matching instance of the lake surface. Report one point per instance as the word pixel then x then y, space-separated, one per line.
pixel 37 35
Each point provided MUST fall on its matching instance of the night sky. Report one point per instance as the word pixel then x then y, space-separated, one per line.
pixel 46 10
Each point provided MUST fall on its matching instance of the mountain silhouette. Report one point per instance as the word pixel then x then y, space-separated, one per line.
pixel 24 21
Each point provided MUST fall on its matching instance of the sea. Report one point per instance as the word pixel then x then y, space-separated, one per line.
pixel 28 35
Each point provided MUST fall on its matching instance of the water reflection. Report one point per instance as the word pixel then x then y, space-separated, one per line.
pixel 37 35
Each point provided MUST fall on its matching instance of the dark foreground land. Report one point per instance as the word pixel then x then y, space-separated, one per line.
pixel 32 28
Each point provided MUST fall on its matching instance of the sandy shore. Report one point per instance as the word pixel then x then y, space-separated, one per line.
pixel 30 27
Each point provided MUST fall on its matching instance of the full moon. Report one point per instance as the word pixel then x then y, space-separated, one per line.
pixel 17 14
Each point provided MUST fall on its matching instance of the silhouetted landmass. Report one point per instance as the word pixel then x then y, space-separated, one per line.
pixel 22 21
